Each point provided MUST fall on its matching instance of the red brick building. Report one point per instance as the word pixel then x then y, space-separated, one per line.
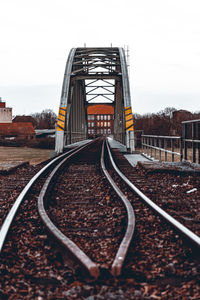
pixel 14 130
pixel 177 117
pixel 2 104
pixel 17 130
pixel 25 119
pixel 100 119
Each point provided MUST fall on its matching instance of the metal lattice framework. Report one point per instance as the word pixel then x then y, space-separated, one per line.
pixel 94 75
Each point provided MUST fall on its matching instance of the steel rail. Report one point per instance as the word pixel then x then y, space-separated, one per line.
pixel 11 215
pixel 124 245
pixel 191 236
pixel 67 243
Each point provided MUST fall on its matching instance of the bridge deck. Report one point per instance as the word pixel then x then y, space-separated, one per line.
pixel 132 158
pixel 81 143
pixel 135 158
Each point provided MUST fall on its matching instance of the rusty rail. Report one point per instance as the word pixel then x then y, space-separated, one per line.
pixel 68 244
pixel 13 211
pixel 123 248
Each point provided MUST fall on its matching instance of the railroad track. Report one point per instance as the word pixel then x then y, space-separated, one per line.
pixel 83 200
pixel 166 194
pixel 23 185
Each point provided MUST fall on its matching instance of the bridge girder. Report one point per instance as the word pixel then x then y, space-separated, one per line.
pixel 94 75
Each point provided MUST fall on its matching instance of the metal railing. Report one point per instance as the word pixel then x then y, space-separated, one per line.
pixel 188 144
pixel 191 139
pixel 154 145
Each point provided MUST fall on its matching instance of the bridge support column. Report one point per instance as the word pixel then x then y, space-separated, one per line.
pixel 130 142
pixel 59 142
pixel 127 141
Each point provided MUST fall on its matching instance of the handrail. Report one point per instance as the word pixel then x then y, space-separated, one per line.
pixel 163 137
pixel 191 137
pixel 190 121
pixel 155 142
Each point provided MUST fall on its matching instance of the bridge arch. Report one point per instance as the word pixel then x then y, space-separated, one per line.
pixel 93 76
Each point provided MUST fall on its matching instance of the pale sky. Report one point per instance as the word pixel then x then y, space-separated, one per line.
pixel 163 38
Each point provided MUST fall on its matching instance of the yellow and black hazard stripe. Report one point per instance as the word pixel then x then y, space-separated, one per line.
pixel 129 118
pixel 61 119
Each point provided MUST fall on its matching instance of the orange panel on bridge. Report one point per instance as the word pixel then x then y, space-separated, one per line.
pixel 100 109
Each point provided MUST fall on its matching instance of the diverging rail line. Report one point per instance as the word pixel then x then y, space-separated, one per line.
pixel 94 268
pixel 83 212
pixel 123 249
pixel 83 206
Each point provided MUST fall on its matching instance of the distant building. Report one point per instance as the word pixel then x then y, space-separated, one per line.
pixel 179 116
pixel 100 119
pixel 25 119
pixel 2 104
pixel 17 131
pixel 5 113
pixel 14 130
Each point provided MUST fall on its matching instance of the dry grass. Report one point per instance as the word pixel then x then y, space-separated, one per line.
pixel 34 156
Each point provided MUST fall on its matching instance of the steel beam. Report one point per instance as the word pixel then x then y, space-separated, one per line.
pixel 98 65
pixel 62 116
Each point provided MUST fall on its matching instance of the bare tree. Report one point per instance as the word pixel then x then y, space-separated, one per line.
pixel 165 122
pixel 46 119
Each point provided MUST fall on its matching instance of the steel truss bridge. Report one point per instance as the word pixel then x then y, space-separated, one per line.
pixel 93 76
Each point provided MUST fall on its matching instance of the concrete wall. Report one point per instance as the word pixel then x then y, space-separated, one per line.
pixel 5 115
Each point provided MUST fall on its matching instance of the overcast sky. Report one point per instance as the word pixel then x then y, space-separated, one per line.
pixel 163 37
